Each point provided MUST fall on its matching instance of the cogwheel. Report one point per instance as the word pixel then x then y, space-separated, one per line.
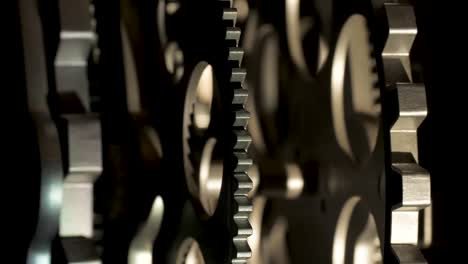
pixel 242 182
pixel 407 234
pixel 217 81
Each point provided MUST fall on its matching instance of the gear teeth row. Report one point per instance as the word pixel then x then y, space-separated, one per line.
pixel 243 186
pixel 415 180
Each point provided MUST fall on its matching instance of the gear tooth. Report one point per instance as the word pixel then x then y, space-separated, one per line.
pixel 236 54
pixel 243 140
pixel 238 75
pixel 245 184
pixel 230 14
pixel 243 250
pixel 244 230
pixel 416 189
pixel 240 96
pixel 244 206
pixel 242 118
pixel 233 34
pixel 243 162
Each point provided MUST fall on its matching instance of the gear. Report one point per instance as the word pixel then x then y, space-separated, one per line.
pixel 413 180
pixel 215 139
pixel 244 183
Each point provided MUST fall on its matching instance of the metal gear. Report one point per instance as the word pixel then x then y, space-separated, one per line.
pixel 237 162
pixel 241 175
pixel 412 208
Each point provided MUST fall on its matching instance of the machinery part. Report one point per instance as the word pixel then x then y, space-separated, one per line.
pixel 352 46
pixel 412 112
pixel 211 177
pixel 267 97
pixel 275 245
pixel 309 145
pixel 284 180
pixel 189 252
pixel 50 191
pixel 414 181
pixel 48 145
pixel 227 89
pixel 85 166
pixel 141 247
pixel 296 27
pixel 174 58
pixel 77 42
pixel 416 195
pixel 131 79
pixel 77 47
pixel 402 31
pixel 255 240
pixel 173 55
pixel 204 179
pixel 271 247
pixel 366 248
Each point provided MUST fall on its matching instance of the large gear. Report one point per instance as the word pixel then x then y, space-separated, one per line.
pixel 411 215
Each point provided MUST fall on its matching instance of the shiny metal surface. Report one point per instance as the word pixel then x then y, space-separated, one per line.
pixel 85 166
pixel 352 47
pixel 255 240
pixel 174 58
pixel 294 182
pixel 190 253
pixel 412 112
pixel 51 192
pixel 416 195
pixel 47 139
pixel 173 55
pixel 131 79
pixel 210 177
pixel 409 213
pixel 200 87
pixel 77 40
pixel 296 28
pixel 204 98
pixel 141 246
pixel 293 29
pixel 402 31
pixel 366 247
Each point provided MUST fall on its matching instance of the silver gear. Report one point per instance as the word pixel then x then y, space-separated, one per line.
pixel 244 184
pixel 415 180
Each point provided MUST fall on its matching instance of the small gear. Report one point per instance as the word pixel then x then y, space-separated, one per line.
pixel 244 183
pixel 215 105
